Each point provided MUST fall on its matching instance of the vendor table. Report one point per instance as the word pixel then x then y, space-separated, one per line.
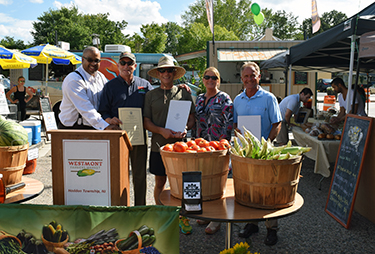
pixel 323 151
pixel 32 189
pixel 227 210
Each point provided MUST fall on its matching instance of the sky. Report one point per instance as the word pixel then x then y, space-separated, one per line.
pixel 16 16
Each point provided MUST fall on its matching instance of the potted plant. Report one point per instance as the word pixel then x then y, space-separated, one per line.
pixel 239 248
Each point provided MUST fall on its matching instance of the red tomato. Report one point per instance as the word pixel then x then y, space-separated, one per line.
pixel 214 144
pixel 168 147
pixel 202 150
pixel 223 146
pixel 203 143
pixel 190 151
pixel 194 147
pixel 226 142
pixel 191 143
pixel 180 147
pixel 210 148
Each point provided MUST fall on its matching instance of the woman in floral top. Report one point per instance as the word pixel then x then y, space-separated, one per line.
pixel 214 110
pixel 214 120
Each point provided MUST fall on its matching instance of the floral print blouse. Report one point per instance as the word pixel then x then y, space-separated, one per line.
pixel 214 120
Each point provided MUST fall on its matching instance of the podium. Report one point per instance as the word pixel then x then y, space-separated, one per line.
pixel 78 158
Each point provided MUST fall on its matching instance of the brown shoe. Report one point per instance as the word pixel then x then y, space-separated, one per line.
pixel 212 228
pixel 203 222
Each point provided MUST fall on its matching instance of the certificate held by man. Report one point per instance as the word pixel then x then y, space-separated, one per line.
pixel 131 119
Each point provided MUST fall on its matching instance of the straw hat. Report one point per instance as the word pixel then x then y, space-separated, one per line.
pixel 167 62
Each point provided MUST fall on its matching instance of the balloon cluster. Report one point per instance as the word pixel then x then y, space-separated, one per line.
pixel 258 15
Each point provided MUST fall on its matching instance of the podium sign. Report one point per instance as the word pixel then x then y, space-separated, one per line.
pixel 90 167
pixel 87 172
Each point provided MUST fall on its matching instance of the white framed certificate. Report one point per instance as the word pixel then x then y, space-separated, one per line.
pixel 132 123
pixel 178 114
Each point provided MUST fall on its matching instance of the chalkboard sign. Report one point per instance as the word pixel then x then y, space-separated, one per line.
pixel 45 104
pixel 300 78
pixel 348 167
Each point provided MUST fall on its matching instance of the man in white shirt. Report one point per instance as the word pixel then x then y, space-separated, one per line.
pixel 81 94
pixel 289 106
pixel 359 107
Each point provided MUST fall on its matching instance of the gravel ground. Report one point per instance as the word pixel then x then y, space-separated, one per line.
pixel 310 230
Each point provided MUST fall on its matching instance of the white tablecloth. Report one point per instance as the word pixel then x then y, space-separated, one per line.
pixel 323 151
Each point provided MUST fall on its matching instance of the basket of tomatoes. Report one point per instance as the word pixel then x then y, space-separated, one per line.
pixel 211 158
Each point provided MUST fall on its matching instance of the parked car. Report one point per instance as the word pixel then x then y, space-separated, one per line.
pixel 322 84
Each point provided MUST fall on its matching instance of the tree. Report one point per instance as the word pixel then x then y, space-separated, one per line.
pixel 75 28
pixel 10 43
pixel 154 38
pixel 284 25
pixel 230 14
pixel 328 20
pixel 174 33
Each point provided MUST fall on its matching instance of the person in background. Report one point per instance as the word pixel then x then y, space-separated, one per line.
pixel 20 92
pixel 359 108
pixel 155 114
pixel 289 106
pixel 127 90
pixel 214 120
pixel 254 100
pixel 81 95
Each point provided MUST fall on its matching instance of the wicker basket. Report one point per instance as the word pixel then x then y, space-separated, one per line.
pixel 265 184
pixel 135 251
pixel 214 166
pixel 51 246
pixel 12 162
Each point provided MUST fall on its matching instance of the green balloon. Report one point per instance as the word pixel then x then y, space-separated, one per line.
pixel 259 18
pixel 255 8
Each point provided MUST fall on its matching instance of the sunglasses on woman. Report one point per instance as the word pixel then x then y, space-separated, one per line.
pixel 206 77
pixel 169 70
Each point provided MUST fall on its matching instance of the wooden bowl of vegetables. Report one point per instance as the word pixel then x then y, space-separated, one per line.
pixel 52 245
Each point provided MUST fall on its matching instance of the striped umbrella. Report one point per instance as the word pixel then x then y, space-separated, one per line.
pixel 46 53
pixel 12 59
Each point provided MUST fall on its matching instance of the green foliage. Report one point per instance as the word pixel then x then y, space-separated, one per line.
pixel 174 33
pixel 327 20
pixel 10 43
pixel 154 38
pixel 232 15
pixel 77 29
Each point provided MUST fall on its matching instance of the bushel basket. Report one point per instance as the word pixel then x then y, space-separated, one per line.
pixel 265 184
pixel 12 162
pixel 214 166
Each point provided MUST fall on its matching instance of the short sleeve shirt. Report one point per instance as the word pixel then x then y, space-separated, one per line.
pixel 262 103
pixel 157 111
pixel 290 102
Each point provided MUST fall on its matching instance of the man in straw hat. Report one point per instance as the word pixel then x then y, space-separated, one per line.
pixel 155 116
pixel 127 90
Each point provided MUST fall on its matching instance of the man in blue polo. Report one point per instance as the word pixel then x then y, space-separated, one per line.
pixel 127 90
pixel 256 101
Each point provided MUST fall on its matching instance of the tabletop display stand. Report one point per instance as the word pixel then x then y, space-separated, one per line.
pixel 227 210
pixel 119 146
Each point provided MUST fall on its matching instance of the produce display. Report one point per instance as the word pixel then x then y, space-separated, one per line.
pixel 54 239
pixel 12 133
pixel 199 145
pixel 323 131
pixel 249 146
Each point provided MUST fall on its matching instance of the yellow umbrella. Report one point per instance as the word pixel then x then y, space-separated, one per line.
pixel 46 53
pixel 12 59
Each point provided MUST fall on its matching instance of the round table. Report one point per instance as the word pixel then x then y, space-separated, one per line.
pixel 32 189
pixel 228 210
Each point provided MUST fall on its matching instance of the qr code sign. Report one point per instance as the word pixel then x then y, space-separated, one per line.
pixel 192 190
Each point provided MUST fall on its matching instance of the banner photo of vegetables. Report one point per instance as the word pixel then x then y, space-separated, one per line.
pixel 43 229
pixel 249 146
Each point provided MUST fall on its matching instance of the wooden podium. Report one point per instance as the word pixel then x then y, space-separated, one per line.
pixel 119 146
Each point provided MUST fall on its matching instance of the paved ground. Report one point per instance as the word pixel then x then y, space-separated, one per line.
pixel 311 230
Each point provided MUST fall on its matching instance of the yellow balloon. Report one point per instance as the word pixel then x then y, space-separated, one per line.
pixel 259 18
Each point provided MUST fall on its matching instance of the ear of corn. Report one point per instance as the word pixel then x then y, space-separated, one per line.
pixel 251 147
